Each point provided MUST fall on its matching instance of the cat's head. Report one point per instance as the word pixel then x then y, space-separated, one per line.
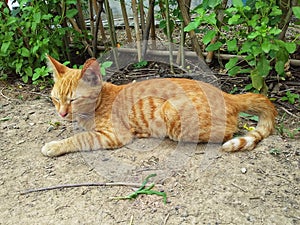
pixel 76 91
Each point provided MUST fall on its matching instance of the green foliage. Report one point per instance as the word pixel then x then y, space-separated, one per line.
pixel 140 64
pixel 174 15
pixel 290 97
pixel 255 38
pixel 105 65
pixel 30 32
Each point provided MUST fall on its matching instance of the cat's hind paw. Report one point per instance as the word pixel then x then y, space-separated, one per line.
pixel 52 149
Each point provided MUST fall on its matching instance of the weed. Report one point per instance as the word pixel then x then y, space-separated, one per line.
pixel 143 190
pixel 275 151
pixel 290 97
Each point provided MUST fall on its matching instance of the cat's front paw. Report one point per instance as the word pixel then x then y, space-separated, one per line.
pixel 52 149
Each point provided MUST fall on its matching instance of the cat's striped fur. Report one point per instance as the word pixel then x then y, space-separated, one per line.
pixel 181 109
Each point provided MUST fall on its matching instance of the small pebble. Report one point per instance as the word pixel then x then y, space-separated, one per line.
pixel 244 170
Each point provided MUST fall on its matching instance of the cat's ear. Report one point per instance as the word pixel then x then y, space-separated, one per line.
pixel 58 68
pixel 91 72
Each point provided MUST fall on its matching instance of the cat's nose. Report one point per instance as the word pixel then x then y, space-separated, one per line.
pixel 63 114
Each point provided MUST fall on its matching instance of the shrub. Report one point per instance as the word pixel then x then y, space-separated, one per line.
pixel 30 32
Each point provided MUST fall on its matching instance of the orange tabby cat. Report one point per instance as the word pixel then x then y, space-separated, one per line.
pixel 181 109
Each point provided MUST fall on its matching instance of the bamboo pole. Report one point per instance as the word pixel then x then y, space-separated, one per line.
pixel 142 15
pixel 97 26
pixel 126 23
pixel 80 17
pixel 137 29
pixel 149 22
pixel 169 35
pixel 91 10
pixel 187 20
pixel 112 31
pixel 152 31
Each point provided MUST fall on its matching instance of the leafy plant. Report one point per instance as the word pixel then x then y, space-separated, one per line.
pixel 290 97
pixel 173 15
pixel 144 190
pixel 254 33
pixel 285 131
pixel 30 32
pixel 140 64
pixel 104 66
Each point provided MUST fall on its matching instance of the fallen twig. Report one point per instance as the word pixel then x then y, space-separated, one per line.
pixel 242 189
pixel 81 185
pixel 7 98
pixel 166 219
pixel 288 112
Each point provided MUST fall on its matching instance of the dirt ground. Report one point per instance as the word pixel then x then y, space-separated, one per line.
pixel 203 184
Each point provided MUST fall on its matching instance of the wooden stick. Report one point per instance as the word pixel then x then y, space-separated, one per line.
pixel 81 185
pixel 187 20
pixel 126 23
pixel 137 28
pixel 169 35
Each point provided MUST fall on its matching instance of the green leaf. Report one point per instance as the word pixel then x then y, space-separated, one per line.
pixel 234 71
pixel 25 78
pixel 25 52
pixel 296 11
pixel 47 17
pixel 214 47
pixel 256 50
pixel 28 71
pixel 290 47
pixel 232 45
pixel 247 70
pixel 234 19
pixel 275 31
pixel 71 13
pixel 37 17
pixel 237 3
pixel 192 25
pixel 253 35
pixel 263 66
pixel 214 3
pixel 246 47
pixel 266 46
pixel 282 55
pixel 276 11
pixel 231 63
pixel 248 87
pixel 209 36
pixel 254 20
pixel 210 19
pixel 279 67
pixel 4 47
pixel 257 80
pixel 10 21
pixel 105 65
pixel 249 116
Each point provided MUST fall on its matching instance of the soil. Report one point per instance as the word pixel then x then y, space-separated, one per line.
pixel 203 184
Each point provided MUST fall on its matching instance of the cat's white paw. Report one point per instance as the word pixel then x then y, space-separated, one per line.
pixel 52 149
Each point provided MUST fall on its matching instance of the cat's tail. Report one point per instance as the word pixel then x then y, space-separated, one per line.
pixel 262 107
